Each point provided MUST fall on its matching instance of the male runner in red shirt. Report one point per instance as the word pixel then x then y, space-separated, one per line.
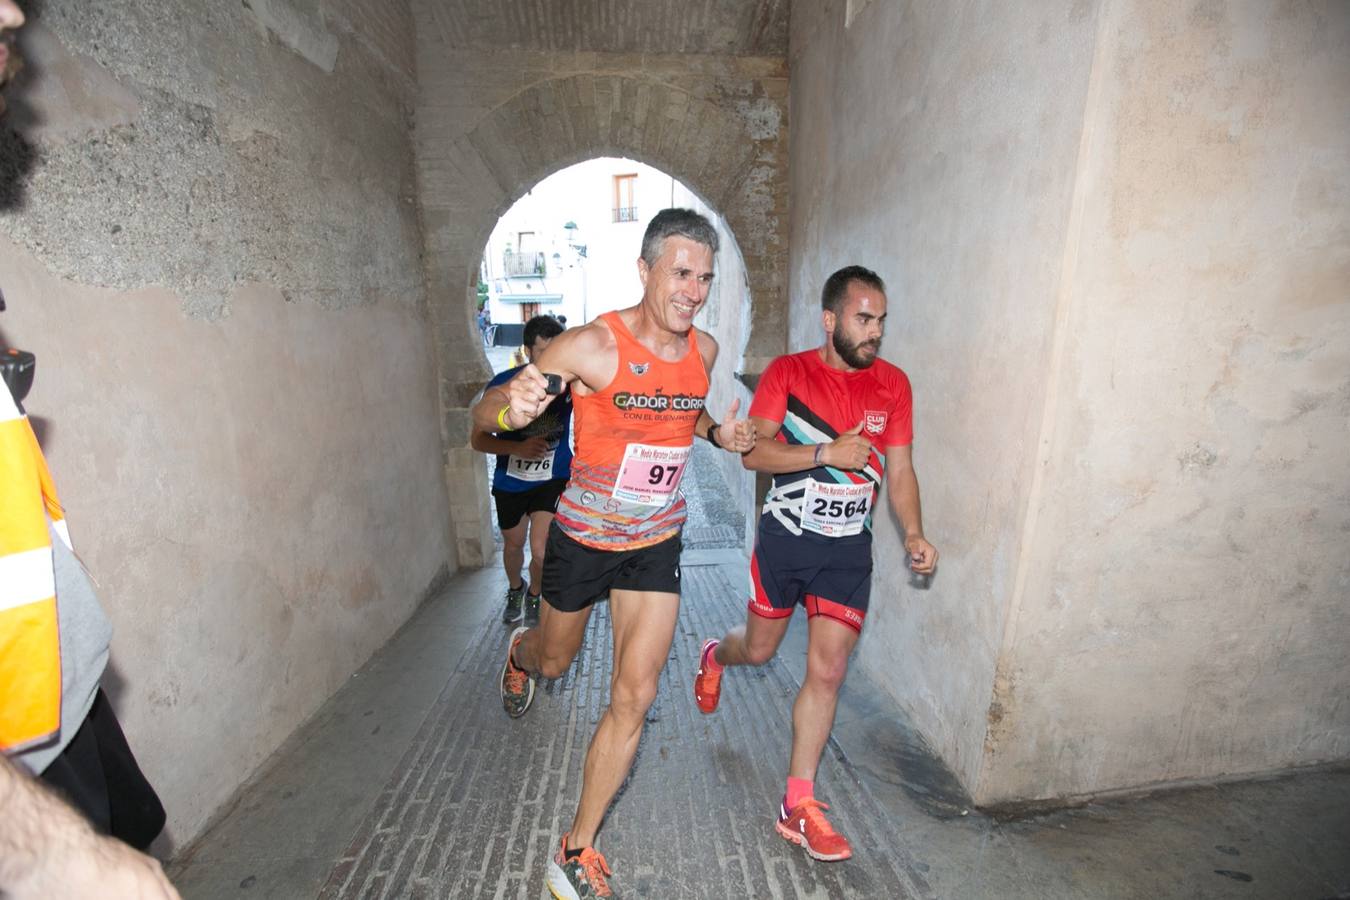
pixel 639 378
pixel 832 423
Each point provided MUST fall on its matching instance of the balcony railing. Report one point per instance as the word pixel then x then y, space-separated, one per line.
pixel 625 214
pixel 523 264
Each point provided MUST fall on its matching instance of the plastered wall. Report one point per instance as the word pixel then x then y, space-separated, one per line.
pixel 1183 611
pixel 216 260
pixel 1116 239
pixel 942 157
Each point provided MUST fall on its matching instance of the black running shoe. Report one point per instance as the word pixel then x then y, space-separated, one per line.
pixel 517 684
pixel 515 605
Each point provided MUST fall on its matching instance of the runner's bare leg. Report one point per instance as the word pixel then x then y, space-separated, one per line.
pixel 644 628
pixel 549 648
pixel 539 524
pixel 828 647
pixel 752 644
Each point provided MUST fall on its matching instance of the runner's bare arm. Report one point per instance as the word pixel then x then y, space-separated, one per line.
pixel 707 348
pixel 732 434
pixel 849 451
pixel 902 487
pixel 578 354
pixel 47 849
pixel 486 441
pixel 588 355
pixel 773 456
pixel 484 412
pixel 530 448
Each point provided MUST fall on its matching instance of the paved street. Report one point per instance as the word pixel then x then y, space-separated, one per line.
pixel 413 783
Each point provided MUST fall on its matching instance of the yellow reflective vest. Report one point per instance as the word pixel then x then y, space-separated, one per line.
pixel 30 646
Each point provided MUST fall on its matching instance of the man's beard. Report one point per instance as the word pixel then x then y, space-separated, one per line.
pixel 13 63
pixel 853 354
pixel 17 155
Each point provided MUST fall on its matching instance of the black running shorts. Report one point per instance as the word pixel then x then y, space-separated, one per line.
pixel 511 505
pixel 829 576
pixel 575 576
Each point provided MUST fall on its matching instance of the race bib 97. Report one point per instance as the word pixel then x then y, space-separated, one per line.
pixel 649 475
pixel 835 510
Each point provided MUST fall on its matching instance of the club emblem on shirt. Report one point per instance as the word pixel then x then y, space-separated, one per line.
pixel 874 422
pixel 638 368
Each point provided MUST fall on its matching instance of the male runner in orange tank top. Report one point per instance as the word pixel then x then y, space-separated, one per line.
pixel 639 378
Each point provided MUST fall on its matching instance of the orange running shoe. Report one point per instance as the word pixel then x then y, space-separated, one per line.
pixel 580 877
pixel 805 825
pixel 707 683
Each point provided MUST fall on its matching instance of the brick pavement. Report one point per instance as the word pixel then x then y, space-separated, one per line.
pixel 479 801
pixel 448 798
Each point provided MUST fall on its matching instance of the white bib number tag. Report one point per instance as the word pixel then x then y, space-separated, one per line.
pixel 532 469
pixel 835 510
pixel 649 475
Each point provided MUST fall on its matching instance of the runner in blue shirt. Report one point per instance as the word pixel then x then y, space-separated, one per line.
pixel 533 465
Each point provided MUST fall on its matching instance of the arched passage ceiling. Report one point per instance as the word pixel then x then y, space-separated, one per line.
pixel 582 116
pixel 510 92
pixel 722 28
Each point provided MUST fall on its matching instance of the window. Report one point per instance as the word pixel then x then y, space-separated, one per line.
pixel 528 261
pixel 625 201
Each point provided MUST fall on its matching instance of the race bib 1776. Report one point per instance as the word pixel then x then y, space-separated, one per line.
pixel 532 469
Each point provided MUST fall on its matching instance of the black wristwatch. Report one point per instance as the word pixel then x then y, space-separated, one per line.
pixel 711 437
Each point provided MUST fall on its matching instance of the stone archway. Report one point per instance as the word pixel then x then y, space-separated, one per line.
pixel 719 126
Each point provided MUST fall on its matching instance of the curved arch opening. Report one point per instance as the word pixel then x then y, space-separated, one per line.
pixel 568 248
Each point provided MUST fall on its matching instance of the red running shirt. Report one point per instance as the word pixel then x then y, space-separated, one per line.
pixel 814 404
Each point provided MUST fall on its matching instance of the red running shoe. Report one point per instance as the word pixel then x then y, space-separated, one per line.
pixel 805 825
pixel 707 683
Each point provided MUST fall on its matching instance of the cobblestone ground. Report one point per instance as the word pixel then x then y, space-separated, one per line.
pixel 479 801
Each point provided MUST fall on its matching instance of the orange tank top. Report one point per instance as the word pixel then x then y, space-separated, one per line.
pixel 633 441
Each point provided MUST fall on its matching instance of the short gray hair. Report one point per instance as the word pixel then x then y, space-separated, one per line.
pixel 676 222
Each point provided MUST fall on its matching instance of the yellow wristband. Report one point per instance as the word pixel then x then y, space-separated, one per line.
pixel 501 418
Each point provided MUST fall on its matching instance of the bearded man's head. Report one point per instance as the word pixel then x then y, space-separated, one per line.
pixel 11 18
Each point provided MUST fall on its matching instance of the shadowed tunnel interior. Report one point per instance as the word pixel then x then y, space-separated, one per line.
pixel 244 243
